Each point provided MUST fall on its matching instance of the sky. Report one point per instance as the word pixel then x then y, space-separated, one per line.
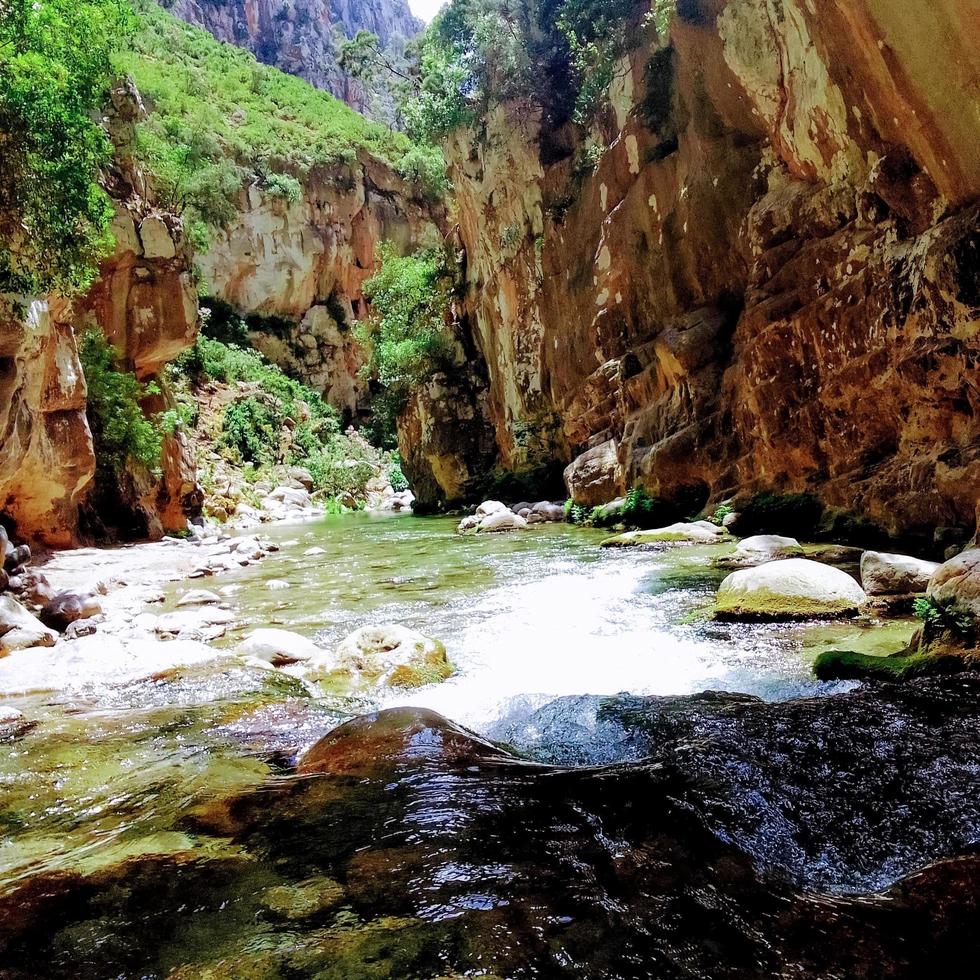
pixel 426 9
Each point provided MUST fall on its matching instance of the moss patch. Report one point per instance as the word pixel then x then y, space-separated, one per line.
pixel 839 665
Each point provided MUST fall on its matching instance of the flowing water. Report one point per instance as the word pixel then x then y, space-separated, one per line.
pixel 160 829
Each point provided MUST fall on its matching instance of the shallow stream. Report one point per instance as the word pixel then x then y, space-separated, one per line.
pixel 116 788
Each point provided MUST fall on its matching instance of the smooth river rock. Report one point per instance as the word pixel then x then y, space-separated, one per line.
pixel 19 629
pixel 794 588
pixel 761 548
pixel 278 647
pixel 385 656
pixel 701 532
pixel 958 580
pixel 884 574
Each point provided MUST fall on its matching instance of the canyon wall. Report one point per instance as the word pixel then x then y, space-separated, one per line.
pixel 144 301
pixel 765 277
pixel 300 36
pixel 302 265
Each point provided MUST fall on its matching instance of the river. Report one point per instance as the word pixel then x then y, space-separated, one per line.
pixel 159 829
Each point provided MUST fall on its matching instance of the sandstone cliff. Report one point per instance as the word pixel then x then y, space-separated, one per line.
pixel 145 302
pixel 769 278
pixel 300 36
pixel 305 263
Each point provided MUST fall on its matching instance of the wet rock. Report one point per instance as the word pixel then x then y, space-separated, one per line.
pixel 501 521
pixel 385 656
pixel 16 557
pixel 547 511
pixel 98 660
pixel 795 588
pixel 67 607
pixel 695 533
pixel 886 574
pixel 489 507
pixel 957 581
pixel 470 523
pixel 304 900
pixel 397 737
pixel 761 548
pixel 278 647
pixel 277 585
pixel 195 623
pixel 19 630
pixel 198 597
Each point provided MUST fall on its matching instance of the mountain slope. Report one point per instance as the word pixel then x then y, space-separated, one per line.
pixel 300 37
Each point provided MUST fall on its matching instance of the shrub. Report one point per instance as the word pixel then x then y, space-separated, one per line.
pixel 944 617
pixel 406 333
pixel 284 186
pixel 120 430
pixel 54 75
pixel 249 430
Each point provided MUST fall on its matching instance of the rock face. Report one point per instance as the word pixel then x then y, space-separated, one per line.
pixel 304 263
pixel 145 302
pixel 768 279
pixel 46 457
pixel 300 36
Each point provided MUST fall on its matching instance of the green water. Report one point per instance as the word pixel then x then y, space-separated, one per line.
pixel 109 772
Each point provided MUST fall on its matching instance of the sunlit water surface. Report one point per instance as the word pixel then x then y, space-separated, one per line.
pixel 525 618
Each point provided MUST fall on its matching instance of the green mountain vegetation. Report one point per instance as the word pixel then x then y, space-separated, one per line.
pixel 218 120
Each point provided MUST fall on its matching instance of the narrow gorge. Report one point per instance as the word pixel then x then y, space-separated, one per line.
pixel 489 489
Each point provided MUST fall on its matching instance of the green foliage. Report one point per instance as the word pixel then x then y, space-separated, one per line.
pixel 284 186
pixel 561 54
pixel 250 431
pixel 395 475
pixel 406 333
pixel 120 431
pixel 939 617
pixel 219 120
pixel 721 512
pixel 54 75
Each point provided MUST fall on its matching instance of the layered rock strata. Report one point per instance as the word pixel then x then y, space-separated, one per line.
pixel 758 269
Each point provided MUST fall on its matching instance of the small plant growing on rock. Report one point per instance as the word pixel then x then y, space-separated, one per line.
pixel 944 617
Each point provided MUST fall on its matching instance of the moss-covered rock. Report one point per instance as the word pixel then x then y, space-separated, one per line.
pixel 701 532
pixel 794 588
pixel 839 665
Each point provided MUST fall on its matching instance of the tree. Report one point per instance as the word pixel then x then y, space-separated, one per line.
pixel 55 72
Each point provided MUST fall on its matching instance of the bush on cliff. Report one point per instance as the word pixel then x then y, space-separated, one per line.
pixel 120 430
pixel 55 71
pixel 406 334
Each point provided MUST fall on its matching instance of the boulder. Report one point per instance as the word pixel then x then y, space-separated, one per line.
pixel 761 548
pixel 396 737
pixel 291 497
pixel 20 630
pixel 884 574
pixel 501 521
pixel 199 597
pixel 794 588
pixel 98 660
pixel 385 656
pixel 470 523
pixel 15 557
pixel 489 507
pixel 278 647
pixel 596 476
pixel 700 533
pixel 957 581
pixel 547 511
pixel 66 607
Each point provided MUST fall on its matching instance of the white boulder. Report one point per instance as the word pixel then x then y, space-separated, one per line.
pixel 278 647
pixel 885 574
pixel 795 588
